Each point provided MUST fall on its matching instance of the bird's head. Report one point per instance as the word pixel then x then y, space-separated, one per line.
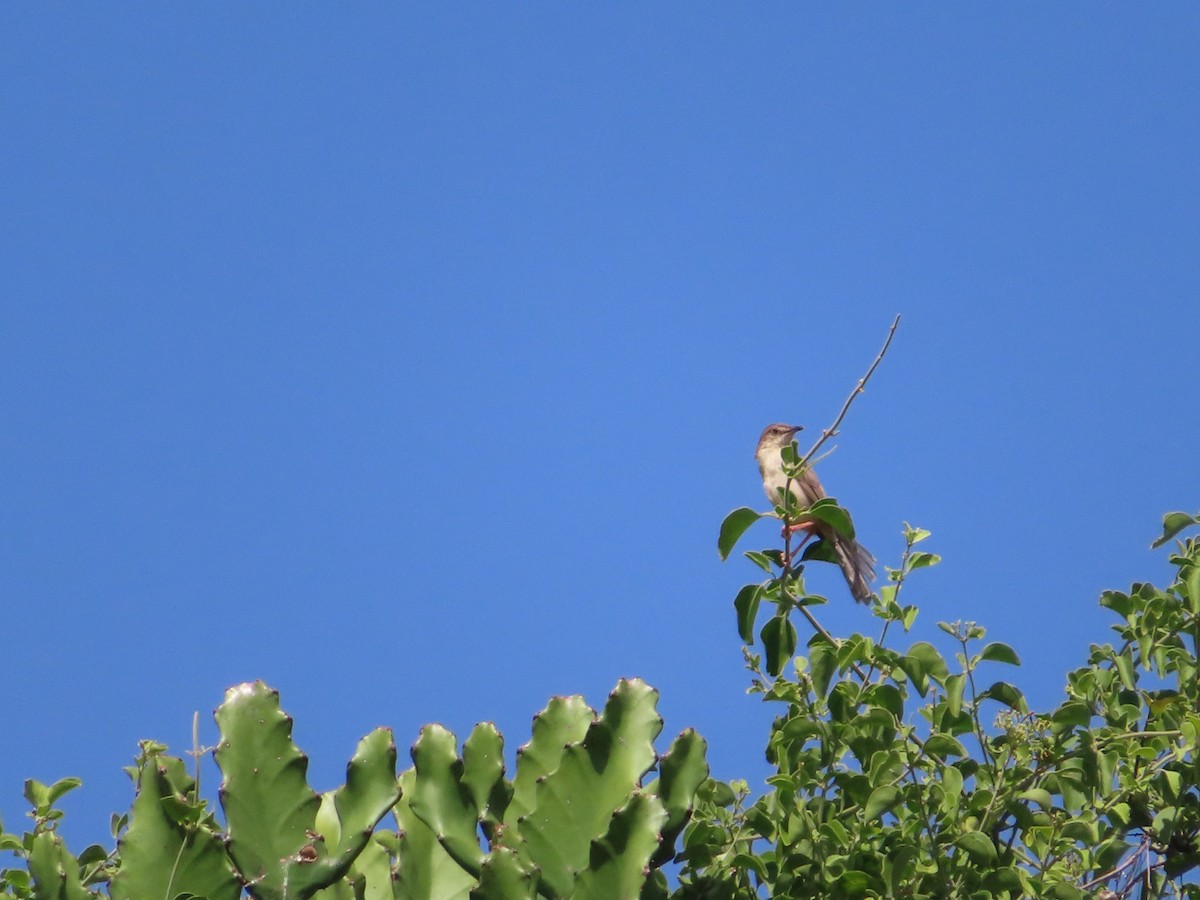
pixel 777 436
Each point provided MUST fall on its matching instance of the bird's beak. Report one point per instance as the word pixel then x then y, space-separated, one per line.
pixel 794 428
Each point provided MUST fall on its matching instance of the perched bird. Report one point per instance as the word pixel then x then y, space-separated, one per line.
pixel 856 563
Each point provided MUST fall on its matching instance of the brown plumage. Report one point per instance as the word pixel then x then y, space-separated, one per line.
pixel 856 563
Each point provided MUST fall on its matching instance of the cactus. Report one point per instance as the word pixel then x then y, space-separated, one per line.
pixel 55 872
pixel 618 862
pixel 681 772
pixel 371 874
pixel 442 800
pixel 574 803
pixel 503 877
pixel 274 837
pixel 424 869
pixel 574 821
pixel 563 722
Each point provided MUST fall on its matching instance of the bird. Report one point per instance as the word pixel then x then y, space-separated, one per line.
pixel 855 561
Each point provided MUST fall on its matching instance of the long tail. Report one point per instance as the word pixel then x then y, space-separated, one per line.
pixel 857 564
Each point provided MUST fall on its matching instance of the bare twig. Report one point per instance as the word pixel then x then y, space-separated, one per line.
pixel 807 461
pixel 858 389
pixel 196 751
pixel 1132 859
pixel 828 453
pixel 902 574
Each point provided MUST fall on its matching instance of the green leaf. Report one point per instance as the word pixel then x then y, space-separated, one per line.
pixel 93 854
pixel 16 878
pixel 822 660
pixel 922 662
pixel 997 652
pixel 1071 714
pixel 1165 819
pixel 36 793
pixel 60 787
pixel 827 510
pixel 10 843
pixel 900 862
pixel 887 768
pixel 843 701
pixel 913 535
pixel 1192 583
pixel 760 559
pixel 779 639
pixel 1005 693
pixel 718 793
pixel 819 550
pixel 1040 796
pixel 1124 666
pixel 746 605
pixel 939 744
pixel 1121 604
pixel 886 696
pixel 1082 831
pixel 954 693
pixel 881 800
pixel 922 560
pixel 1173 523
pixel 978 846
pixel 851 883
pixel 734 527
pixel 952 785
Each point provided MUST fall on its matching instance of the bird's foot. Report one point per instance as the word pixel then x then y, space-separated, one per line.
pixel 807 528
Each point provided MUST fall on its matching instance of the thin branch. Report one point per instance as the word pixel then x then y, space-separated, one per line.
pixel 788 569
pixel 820 629
pixel 858 389
pixel 902 573
pixel 196 751
pixel 1132 859
pixel 828 453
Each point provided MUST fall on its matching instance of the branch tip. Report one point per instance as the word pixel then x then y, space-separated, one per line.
pixel 859 389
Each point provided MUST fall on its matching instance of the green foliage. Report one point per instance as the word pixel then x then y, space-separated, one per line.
pixel 902 768
pixel 576 820
pixel 50 871
pixel 733 528
pixel 581 818
pixel 900 772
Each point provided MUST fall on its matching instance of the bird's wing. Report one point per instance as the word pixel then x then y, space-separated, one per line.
pixel 808 488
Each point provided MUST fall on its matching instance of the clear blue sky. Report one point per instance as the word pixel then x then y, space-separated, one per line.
pixel 408 359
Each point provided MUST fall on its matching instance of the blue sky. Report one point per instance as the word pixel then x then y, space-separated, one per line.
pixel 409 358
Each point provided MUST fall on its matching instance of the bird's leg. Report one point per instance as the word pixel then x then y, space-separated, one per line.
pixel 809 528
pixel 810 531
